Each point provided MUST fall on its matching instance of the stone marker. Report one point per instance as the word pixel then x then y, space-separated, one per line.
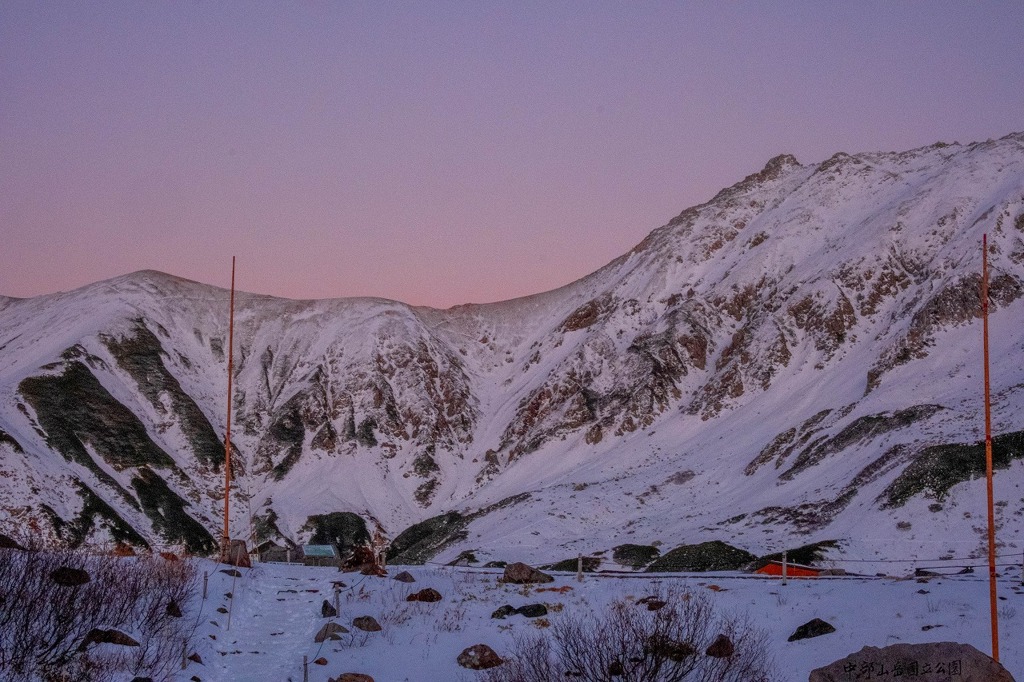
pixel 931 662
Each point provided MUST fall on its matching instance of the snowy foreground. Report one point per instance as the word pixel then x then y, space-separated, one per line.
pixel 275 612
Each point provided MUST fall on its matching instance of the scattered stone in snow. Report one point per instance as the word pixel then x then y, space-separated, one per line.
pixel 428 594
pixel 65 576
pixel 812 628
pixel 173 610
pixel 330 631
pixel 109 636
pixel 351 677
pixel 328 611
pixel 479 657
pixel 532 610
pixel 722 647
pixel 503 611
pixel 521 574
pixel 404 577
pixel 366 623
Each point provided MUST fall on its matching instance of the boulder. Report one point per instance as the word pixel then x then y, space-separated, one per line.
pixel 663 647
pixel 479 657
pixel 65 576
pixel 195 658
pixel 107 636
pixel 428 594
pixel 522 574
pixel 812 628
pixel 238 554
pixel 173 610
pixel 931 662
pixel 503 611
pixel 405 577
pixel 532 610
pixel 327 610
pixel 722 647
pixel 351 677
pixel 320 661
pixel 366 623
pixel 330 631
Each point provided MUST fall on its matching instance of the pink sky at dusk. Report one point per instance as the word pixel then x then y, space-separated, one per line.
pixel 445 152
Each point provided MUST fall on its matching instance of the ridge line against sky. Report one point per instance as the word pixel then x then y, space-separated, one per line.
pixel 450 152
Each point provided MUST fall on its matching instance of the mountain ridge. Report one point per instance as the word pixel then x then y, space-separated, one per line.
pixel 842 286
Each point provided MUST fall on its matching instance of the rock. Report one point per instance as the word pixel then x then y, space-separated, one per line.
pixel 65 576
pixel 652 603
pixel 931 662
pixel 169 556
pixel 123 550
pixel 495 564
pixel 366 623
pixel 479 657
pixel 173 610
pixel 428 594
pixel 107 636
pixel 352 677
pixel 503 611
pixel 404 577
pixel 234 573
pixel 330 631
pixel 521 574
pixel 616 669
pixel 142 679
pixel 195 658
pixel 663 647
pixel 320 661
pixel 221 609
pixel 327 610
pixel 532 610
pixel 722 647
pixel 812 628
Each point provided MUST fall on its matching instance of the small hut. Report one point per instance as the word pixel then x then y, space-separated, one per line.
pixel 319 555
pixel 792 570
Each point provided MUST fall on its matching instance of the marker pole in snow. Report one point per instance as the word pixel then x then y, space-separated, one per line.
pixel 993 609
pixel 785 567
pixel 226 539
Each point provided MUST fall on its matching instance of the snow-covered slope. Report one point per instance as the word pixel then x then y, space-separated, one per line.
pixel 798 356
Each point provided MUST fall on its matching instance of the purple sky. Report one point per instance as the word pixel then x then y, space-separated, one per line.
pixel 445 152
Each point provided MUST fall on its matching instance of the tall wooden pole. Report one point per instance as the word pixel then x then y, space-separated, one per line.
pixel 988 456
pixel 226 539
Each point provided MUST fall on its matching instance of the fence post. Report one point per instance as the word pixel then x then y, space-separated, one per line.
pixel 305 668
pixel 184 649
pixel 579 568
pixel 206 580
pixel 785 567
pixel 337 599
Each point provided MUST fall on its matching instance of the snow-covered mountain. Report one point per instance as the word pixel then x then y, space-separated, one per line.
pixel 797 359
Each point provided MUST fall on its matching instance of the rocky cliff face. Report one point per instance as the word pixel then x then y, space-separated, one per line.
pixel 811 326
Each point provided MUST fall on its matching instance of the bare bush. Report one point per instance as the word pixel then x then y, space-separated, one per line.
pixel 45 627
pixel 629 643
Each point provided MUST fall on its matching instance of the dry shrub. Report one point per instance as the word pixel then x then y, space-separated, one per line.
pixel 43 625
pixel 628 643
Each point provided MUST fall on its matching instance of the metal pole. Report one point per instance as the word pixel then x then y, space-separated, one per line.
pixel 226 539
pixel 337 599
pixel 993 609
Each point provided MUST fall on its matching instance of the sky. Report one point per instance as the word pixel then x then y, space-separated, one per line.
pixel 440 153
